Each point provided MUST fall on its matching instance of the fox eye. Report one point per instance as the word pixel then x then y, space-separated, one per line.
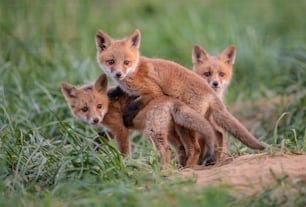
pixel 99 106
pixel 207 74
pixel 111 62
pixel 126 62
pixel 85 109
pixel 222 74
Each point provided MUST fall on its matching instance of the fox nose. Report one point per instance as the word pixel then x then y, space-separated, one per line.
pixel 215 84
pixel 118 74
pixel 96 120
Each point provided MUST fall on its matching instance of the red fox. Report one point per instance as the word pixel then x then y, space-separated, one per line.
pixel 153 78
pixel 157 119
pixel 217 71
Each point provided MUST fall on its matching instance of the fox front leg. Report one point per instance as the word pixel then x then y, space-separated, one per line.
pixel 131 111
pixel 115 93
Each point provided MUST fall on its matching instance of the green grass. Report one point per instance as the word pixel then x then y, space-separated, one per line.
pixel 46 156
pixel 282 193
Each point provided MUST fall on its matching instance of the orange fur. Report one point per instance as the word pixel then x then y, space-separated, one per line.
pixel 157 119
pixel 217 72
pixel 153 78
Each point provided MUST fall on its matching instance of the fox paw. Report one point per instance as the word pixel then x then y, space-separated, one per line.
pixel 102 133
pixel 114 93
pixel 105 135
pixel 209 160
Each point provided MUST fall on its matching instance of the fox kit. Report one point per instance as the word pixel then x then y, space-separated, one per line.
pixel 217 71
pixel 152 78
pixel 157 119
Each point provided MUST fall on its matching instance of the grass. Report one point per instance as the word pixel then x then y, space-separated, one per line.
pixel 282 193
pixel 46 157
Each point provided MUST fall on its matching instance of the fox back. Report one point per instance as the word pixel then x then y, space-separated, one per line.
pixel 216 70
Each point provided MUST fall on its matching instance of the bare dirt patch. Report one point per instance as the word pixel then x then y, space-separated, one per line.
pixel 248 174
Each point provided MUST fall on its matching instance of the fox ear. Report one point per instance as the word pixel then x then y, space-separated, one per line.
pixel 134 39
pixel 229 55
pixel 101 83
pixel 199 55
pixel 68 90
pixel 103 40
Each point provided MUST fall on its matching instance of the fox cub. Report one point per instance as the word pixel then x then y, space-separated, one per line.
pixel 217 72
pixel 151 78
pixel 157 120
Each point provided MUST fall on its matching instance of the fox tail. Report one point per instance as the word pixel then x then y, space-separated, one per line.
pixel 222 118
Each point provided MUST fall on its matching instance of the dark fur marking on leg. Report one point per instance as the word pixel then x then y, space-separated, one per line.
pixel 115 93
pixel 130 113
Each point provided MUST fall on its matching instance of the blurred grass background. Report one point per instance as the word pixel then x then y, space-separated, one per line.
pixel 45 153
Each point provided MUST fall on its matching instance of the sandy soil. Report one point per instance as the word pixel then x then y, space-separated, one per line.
pixel 248 174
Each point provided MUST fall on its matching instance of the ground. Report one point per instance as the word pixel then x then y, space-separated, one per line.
pixel 250 173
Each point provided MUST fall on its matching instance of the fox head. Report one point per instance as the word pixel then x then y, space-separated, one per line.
pixel 118 58
pixel 216 70
pixel 87 102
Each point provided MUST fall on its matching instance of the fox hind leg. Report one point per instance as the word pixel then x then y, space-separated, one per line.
pixel 161 143
pixel 221 146
pixel 192 148
pixel 176 142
